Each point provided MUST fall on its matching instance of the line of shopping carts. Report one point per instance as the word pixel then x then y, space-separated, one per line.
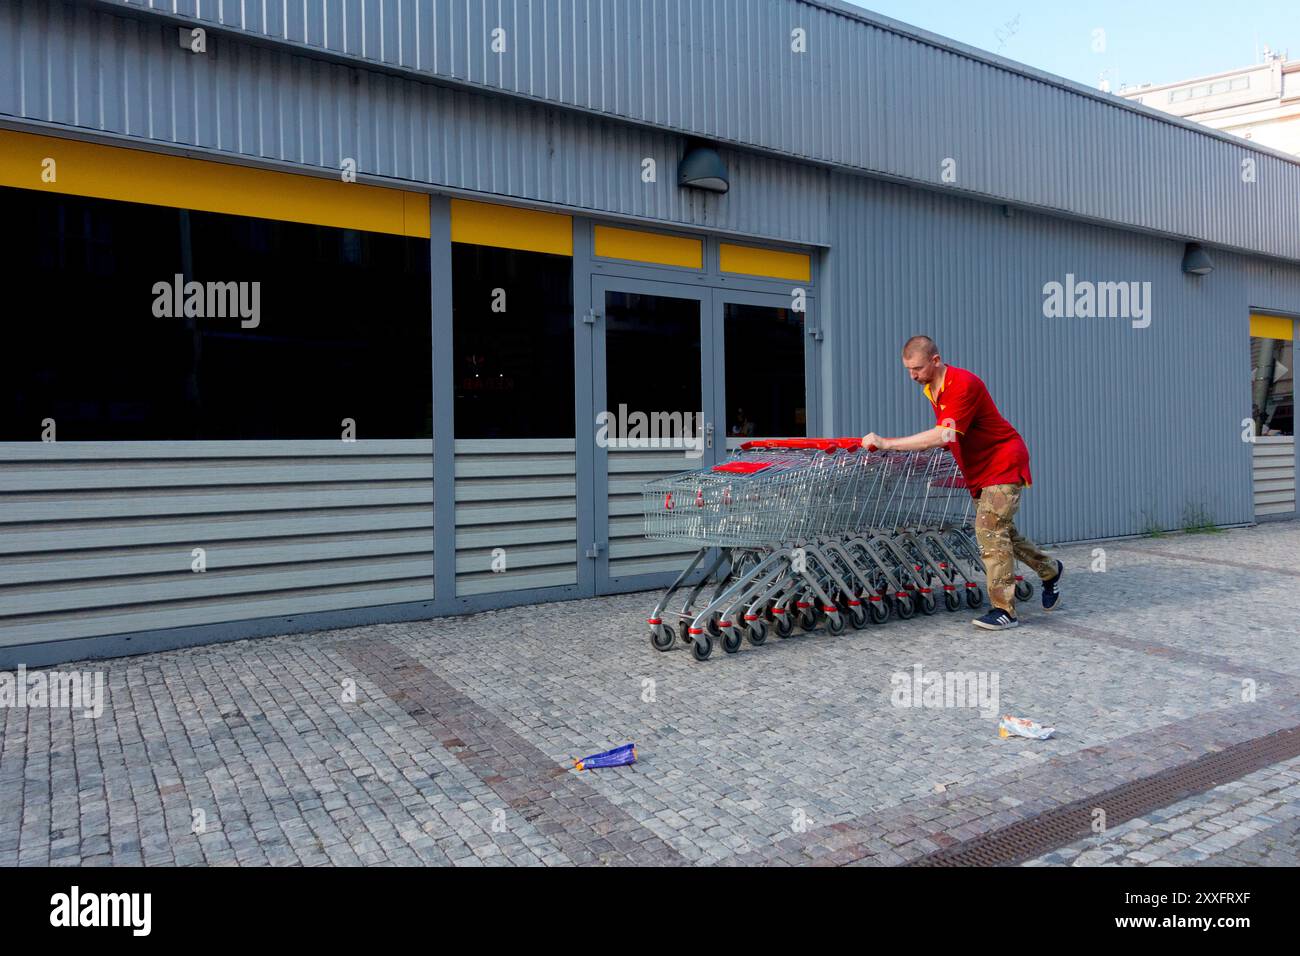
pixel 805 532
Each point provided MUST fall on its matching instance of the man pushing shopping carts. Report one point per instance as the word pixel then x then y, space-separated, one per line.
pixel 994 460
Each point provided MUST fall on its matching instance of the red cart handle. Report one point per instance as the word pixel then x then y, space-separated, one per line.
pixel 828 445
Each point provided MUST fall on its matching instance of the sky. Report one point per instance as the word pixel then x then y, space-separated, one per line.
pixel 1145 41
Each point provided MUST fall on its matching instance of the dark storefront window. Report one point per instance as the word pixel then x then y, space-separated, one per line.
pixel 639 329
pixel 278 331
pixel 766 393
pixel 513 328
pixel 1273 386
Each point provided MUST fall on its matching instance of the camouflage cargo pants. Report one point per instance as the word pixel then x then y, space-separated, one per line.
pixel 1001 544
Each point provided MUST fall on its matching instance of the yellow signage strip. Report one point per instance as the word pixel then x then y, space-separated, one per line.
pixel 1272 327
pixel 631 245
pixel 771 263
pixel 511 227
pixel 73 167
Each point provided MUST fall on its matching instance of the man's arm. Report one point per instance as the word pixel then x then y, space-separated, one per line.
pixel 936 437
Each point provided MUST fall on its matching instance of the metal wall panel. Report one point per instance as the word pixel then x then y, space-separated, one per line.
pixel 629 551
pixel 67 65
pixel 519 497
pixel 1125 426
pixel 869 94
pixel 1274 475
pixel 96 538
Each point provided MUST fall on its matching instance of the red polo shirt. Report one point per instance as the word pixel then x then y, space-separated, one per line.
pixel 988 450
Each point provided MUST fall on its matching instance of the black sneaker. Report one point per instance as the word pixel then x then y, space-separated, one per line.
pixel 1051 594
pixel 996 620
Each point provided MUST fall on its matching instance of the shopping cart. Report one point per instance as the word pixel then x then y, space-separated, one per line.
pixel 797 532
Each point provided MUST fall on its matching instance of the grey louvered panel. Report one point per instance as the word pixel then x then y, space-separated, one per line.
pixel 629 551
pixel 192 451
pixel 116 562
pixel 106 546
pixel 1274 471
pixel 78 476
pixel 72 535
pixel 627 567
pixel 511 489
pixel 93 623
pixel 521 556
pixel 189 585
pixel 519 497
pixel 514 512
pixel 533 532
pixel 488 583
pixel 521 466
pixel 138 503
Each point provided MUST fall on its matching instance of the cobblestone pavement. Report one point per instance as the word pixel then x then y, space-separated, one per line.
pixel 455 747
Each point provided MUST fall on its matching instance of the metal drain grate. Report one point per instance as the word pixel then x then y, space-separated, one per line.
pixel 1065 825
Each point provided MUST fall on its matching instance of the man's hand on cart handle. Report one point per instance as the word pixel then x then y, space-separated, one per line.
pixel 935 437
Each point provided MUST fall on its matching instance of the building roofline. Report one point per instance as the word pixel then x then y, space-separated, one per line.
pixel 883 22
pixel 1157 87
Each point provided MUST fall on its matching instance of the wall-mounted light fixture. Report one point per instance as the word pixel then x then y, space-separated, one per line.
pixel 703 168
pixel 1196 261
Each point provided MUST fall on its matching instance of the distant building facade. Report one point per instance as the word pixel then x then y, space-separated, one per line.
pixel 1260 103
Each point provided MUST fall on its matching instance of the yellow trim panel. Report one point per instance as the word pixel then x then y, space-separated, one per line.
pixel 752 261
pixel 157 179
pixel 510 227
pixel 1272 327
pixel 633 246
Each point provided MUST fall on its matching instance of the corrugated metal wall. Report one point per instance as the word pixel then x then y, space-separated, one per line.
pixel 75 67
pixel 865 95
pixel 97 537
pixel 1125 426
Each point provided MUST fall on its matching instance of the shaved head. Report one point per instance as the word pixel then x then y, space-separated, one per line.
pixel 922 346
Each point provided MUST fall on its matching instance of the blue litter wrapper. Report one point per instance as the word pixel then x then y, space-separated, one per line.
pixel 619 757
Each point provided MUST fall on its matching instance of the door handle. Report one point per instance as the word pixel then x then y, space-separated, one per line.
pixel 708 435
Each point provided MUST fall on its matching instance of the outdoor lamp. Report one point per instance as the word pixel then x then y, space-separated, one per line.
pixel 703 168
pixel 1196 261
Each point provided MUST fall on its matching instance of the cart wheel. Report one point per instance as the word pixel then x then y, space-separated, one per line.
pixel 684 632
pixel 784 625
pixel 807 618
pixel 758 632
pixel 835 623
pixel 712 626
pixel 1024 591
pixel 928 603
pixel 731 640
pixel 951 600
pixel 701 647
pixel 879 612
pixel 974 597
pixel 904 607
pixel 858 617
pixel 662 637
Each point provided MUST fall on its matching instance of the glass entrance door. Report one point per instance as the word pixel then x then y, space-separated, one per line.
pixel 681 375
pixel 654 394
